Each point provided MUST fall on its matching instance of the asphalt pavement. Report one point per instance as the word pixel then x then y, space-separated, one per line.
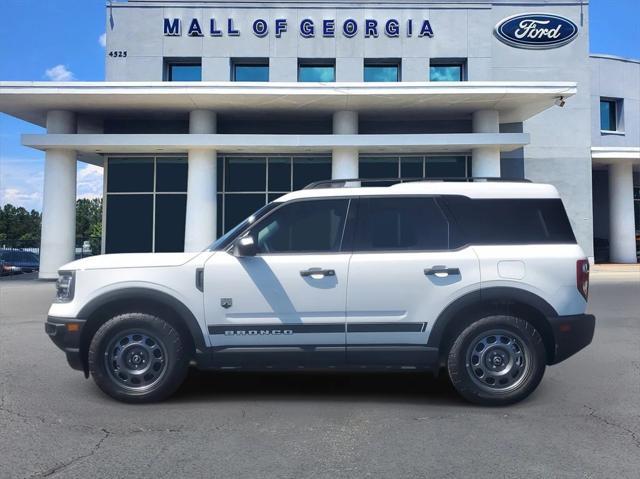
pixel 582 422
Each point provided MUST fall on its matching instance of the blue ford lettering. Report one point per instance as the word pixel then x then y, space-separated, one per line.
pixel 536 31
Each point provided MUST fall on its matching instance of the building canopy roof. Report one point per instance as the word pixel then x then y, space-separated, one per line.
pixel 515 101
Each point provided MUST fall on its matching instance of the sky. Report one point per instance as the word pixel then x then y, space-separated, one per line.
pixel 63 40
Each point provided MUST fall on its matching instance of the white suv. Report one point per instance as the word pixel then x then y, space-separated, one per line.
pixel 483 278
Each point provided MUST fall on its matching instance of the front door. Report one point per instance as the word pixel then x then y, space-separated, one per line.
pixel 286 305
pixel 401 276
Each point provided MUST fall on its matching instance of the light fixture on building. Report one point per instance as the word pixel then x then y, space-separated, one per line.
pixel 560 101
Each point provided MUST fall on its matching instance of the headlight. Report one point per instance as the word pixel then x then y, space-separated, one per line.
pixel 65 286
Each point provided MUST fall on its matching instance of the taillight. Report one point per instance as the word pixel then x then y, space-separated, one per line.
pixel 582 277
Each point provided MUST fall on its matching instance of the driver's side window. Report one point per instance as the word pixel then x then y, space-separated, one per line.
pixel 303 227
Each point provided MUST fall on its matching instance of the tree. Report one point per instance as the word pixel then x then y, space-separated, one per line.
pixel 89 222
pixel 16 223
pixel 21 228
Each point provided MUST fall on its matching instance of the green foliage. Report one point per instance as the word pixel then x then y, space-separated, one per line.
pixel 89 222
pixel 18 224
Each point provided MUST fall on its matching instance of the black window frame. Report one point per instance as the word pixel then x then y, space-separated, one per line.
pixel 185 62
pixel 450 62
pixel 249 62
pixel 355 226
pixel 251 229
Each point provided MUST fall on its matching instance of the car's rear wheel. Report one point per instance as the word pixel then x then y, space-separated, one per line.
pixel 138 357
pixel 497 360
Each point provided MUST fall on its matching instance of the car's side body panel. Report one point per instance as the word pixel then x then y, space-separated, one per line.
pixel 393 300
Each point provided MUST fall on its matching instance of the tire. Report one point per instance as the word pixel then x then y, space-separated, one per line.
pixel 138 358
pixel 497 360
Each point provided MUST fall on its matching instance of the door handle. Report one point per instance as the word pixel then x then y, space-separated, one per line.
pixel 312 272
pixel 441 271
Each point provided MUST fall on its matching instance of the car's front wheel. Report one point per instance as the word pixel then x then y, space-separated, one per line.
pixel 497 360
pixel 137 357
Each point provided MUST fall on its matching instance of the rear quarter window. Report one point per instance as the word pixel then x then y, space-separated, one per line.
pixel 508 221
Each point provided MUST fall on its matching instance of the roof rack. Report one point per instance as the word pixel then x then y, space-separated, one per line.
pixel 342 182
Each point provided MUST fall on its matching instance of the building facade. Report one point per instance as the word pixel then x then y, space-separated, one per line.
pixel 210 109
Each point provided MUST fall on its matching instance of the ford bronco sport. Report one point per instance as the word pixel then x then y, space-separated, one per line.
pixel 482 278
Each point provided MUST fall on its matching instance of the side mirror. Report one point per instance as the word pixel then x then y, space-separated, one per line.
pixel 245 246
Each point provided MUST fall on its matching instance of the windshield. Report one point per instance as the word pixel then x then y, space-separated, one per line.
pixel 228 238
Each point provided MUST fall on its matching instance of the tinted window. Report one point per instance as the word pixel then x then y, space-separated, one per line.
pixel 316 72
pixel 129 223
pixel 445 73
pixel 405 224
pixel 381 73
pixel 246 174
pixel 608 115
pixel 508 221
pixel 250 72
pixel 171 174
pixel 308 170
pixel 130 175
pixel 306 226
pixel 170 220
pixel 184 72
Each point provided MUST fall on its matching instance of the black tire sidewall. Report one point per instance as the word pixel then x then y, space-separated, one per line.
pixel 465 385
pixel 176 361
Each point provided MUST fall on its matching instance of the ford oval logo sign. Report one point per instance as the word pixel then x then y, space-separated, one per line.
pixel 536 31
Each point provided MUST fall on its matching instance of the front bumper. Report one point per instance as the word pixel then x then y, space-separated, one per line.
pixel 66 334
pixel 571 333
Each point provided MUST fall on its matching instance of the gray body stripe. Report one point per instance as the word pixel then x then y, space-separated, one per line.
pixel 321 328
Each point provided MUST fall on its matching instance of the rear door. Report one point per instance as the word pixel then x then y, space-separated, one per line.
pixel 401 276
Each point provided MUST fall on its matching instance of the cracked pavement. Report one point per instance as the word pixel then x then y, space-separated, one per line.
pixel 583 421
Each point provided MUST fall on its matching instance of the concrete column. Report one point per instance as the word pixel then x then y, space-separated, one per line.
pixel 58 230
pixel 344 163
pixel 485 161
pixel 622 230
pixel 200 223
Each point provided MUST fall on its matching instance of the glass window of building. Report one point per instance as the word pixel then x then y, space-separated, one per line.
pixel 381 70
pixel 410 167
pixel 447 70
pixel 183 70
pixel 250 70
pixel 317 71
pixel 245 183
pixel 145 204
pixel 609 114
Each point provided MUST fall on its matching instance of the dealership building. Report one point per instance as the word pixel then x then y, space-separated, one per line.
pixel 210 109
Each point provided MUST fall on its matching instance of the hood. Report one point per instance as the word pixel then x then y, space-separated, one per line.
pixel 130 260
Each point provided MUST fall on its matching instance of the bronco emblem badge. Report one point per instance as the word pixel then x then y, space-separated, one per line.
pixel 226 303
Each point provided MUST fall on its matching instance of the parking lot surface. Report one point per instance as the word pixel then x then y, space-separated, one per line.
pixel 583 420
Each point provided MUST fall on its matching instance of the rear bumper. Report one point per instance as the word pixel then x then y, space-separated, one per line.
pixel 66 333
pixel 572 333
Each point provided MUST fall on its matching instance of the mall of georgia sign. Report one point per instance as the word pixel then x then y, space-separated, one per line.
pixel 536 31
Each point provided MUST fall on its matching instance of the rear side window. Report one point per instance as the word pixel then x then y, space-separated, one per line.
pixel 405 224
pixel 508 221
pixel 303 227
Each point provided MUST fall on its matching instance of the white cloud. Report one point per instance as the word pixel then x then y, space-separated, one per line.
pixel 16 197
pixel 21 182
pixel 59 73
pixel 102 40
pixel 89 181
